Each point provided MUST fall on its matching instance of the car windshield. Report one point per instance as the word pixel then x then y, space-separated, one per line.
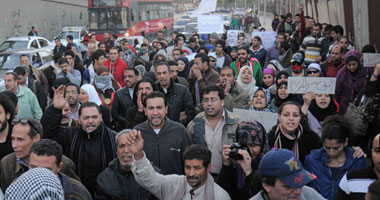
pixel 64 34
pixel 182 22
pixel 191 27
pixel 226 18
pixel 9 45
pixel 9 61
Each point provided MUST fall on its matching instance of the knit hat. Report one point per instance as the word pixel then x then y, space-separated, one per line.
pixel 214 35
pixel 210 47
pixel 284 165
pixel 36 184
pixel 314 66
pixel 352 55
pixel 268 71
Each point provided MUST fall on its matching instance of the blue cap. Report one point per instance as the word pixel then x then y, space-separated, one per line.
pixel 298 57
pixel 284 165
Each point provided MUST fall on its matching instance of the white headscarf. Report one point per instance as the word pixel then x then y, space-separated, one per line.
pixel 92 94
pixel 250 88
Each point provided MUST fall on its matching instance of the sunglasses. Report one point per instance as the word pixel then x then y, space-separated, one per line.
pixel 296 63
pixel 313 72
pixel 212 60
pixel 25 121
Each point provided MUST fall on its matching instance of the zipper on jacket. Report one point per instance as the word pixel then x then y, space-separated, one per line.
pixel 158 150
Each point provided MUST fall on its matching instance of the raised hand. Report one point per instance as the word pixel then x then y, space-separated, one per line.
pixel 59 99
pixel 140 105
pixel 135 143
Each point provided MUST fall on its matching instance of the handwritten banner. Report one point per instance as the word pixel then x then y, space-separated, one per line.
pixel 210 23
pixel 267 38
pixel 267 119
pixel 300 85
pixel 371 59
pixel 232 39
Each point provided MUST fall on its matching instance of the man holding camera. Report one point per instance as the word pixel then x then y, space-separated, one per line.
pixel 214 127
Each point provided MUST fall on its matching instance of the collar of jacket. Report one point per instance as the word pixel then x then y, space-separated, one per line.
pixel 322 155
pixel 230 120
pixel 170 88
pixel 97 132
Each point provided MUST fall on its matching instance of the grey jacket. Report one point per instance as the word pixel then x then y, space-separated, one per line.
pixel 308 193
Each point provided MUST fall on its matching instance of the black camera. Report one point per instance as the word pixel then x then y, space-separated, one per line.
pixel 234 153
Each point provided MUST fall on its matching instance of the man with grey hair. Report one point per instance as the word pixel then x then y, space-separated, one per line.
pixel 118 175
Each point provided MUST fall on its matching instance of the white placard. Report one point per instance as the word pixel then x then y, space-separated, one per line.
pixel 268 38
pixel 267 119
pixel 232 38
pixel 300 85
pixel 371 59
pixel 210 23
pixel 206 6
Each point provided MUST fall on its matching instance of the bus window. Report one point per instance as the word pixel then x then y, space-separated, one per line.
pixel 102 19
pixel 106 2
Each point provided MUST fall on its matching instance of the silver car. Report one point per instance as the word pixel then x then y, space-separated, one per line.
pixel 25 42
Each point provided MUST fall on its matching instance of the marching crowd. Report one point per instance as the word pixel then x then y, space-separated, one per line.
pixel 156 120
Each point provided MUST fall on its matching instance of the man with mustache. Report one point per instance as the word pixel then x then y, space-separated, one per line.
pixel 123 98
pixel 243 60
pixel 118 175
pixel 91 146
pixel 165 139
pixel 72 94
pixel 196 184
pixel 7 113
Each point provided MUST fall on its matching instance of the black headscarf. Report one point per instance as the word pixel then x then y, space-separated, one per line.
pixel 320 113
pixel 185 72
pixel 277 100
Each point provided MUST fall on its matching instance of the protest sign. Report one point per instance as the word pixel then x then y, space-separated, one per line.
pixel 268 38
pixel 210 24
pixel 267 119
pixel 232 37
pixel 206 6
pixel 371 59
pixel 300 85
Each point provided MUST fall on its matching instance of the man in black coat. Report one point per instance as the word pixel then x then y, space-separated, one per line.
pixel 59 47
pixel 91 146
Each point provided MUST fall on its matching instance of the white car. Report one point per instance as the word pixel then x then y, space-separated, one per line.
pixel 227 20
pixel 131 40
pixel 25 42
pixel 180 25
pixel 74 31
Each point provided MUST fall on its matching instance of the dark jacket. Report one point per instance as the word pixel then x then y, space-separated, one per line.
pixel 315 163
pixel 227 60
pixel 210 77
pixel 134 117
pixel 260 55
pixel 39 91
pixel 50 74
pixel 60 49
pixel 281 28
pixel 166 148
pixel 116 184
pixel 121 102
pixel 91 152
pixel 11 169
pixel 73 189
pixel 179 99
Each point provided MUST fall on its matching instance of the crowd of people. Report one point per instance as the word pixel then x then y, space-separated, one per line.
pixel 157 121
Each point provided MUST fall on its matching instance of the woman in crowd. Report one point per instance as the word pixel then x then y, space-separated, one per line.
pixel 183 67
pixel 281 76
pixel 106 86
pixel 233 54
pixel 261 101
pixel 268 77
pixel 246 81
pixel 240 177
pixel 88 94
pixel 334 159
pixel 314 70
pixel 283 96
pixel 292 132
pixel 350 80
pixel 317 107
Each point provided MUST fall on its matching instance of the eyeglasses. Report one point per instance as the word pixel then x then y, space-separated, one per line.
pixel 296 63
pixel 25 121
pixel 313 72
pixel 333 148
pixel 211 100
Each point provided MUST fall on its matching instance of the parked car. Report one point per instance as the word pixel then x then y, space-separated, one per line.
pixel 78 32
pixel 190 28
pixel 180 25
pixel 25 42
pixel 11 59
pixel 131 40
pixel 227 20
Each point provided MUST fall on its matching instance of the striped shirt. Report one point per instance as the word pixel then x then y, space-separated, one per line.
pixel 312 47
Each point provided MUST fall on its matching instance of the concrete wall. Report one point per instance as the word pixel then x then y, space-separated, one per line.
pixel 360 9
pixel 49 16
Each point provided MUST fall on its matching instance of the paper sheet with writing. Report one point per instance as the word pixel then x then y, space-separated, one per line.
pixel 267 119
pixel 371 59
pixel 267 38
pixel 210 23
pixel 300 85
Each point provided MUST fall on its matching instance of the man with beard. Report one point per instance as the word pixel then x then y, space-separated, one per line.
pixel 312 45
pixel 196 184
pixel 354 185
pixel 7 113
pixel 118 175
pixel 72 94
pixel 165 139
pixel 235 96
pixel 335 63
pixel 243 60
pixel 91 146
pixel 179 98
pixel 123 98
pixel 214 127
pixel 136 114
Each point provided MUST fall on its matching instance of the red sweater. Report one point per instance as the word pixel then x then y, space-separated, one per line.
pixel 117 69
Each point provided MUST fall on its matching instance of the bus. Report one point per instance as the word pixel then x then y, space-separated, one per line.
pixel 129 17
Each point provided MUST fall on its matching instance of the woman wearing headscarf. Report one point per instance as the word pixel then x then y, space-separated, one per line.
pixel 261 101
pixel 317 107
pixel 283 96
pixel 88 94
pixel 183 67
pixel 240 177
pixel 281 76
pixel 350 80
pixel 105 86
pixel 246 81
pixel 268 77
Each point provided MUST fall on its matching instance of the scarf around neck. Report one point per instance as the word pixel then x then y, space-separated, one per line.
pixel 295 138
pixel 104 82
